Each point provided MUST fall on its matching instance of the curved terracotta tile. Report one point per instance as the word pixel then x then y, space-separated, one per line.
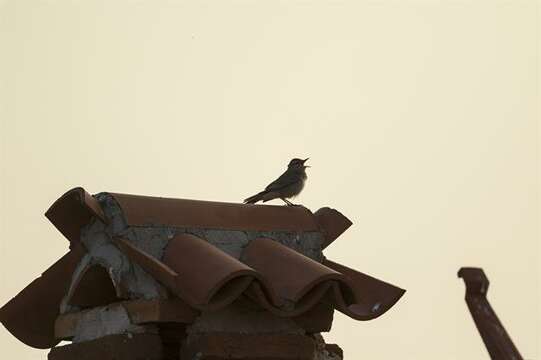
pixel 276 277
pixel 299 281
pixel 332 223
pixel 77 207
pixel 73 210
pixel 259 294
pixel 197 272
pixel 279 279
pixel 150 264
pixel 290 274
pixel 302 283
pixel 145 210
pixel 30 316
pixel 369 297
pixel 207 276
pixel 264 297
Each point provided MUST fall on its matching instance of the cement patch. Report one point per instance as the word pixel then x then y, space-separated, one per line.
pixel 103 321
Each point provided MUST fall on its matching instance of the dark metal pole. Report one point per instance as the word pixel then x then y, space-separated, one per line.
pixel 496 339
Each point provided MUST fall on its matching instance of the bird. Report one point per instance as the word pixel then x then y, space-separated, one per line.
pixel 288 185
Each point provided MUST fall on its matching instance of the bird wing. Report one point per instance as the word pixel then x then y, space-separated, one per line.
pixel 286 179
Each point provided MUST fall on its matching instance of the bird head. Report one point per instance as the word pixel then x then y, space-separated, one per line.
pixel 298 164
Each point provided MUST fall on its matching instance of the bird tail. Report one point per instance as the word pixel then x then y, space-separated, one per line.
pixel 255 198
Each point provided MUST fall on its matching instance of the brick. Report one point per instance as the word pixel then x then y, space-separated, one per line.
pixel 172 335
pixel 112 347
pixel 139 311
pixel 219 346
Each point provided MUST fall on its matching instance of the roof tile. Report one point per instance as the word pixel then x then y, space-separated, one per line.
pixel 31 314
pixel 272 274
pixel 73 210
pixel 145 210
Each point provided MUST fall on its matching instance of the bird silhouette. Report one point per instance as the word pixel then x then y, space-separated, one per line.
pixel 288 185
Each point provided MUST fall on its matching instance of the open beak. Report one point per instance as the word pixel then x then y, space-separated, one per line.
pixel 305 161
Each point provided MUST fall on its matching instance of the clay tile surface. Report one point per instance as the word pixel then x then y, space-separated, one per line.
pixel 145 210
pixel 333 224
pixel 31 314
pixel 77 208
pixel 287 273
pixel 73 210
pixel 208 277
pixel 371 297
pixel 276 277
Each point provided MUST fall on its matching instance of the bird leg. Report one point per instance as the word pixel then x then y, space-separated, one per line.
pixel 288 203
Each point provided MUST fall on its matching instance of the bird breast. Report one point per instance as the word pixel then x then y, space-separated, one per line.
pixel 293 189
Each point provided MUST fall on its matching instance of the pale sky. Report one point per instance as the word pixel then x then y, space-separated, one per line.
pixel 420 119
